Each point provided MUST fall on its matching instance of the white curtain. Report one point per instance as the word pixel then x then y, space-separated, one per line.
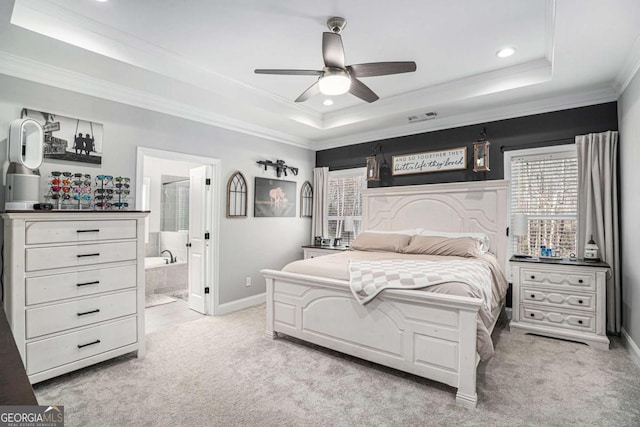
pixel 598 209
pixel 320 220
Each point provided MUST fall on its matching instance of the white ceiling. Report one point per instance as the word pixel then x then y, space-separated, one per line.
pixel 195 59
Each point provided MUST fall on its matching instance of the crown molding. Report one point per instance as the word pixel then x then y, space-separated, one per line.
pixel 52 20
pixel 550 31
pixel 630 68
pixel 582 99
pixel 35 71
pixel 490 82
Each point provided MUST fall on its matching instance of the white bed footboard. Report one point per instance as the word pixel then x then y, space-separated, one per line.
pixel 427 334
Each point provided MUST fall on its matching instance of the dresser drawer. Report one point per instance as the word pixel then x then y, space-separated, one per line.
pixel 541 277
pixel 68 315
pixel 79 283
pixel 76 255
pixel 78 231
pixel 52 352
pixel 574 300
pixel 583 321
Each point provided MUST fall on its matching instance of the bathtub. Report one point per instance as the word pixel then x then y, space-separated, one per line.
pixel 155 261
pixel 162 278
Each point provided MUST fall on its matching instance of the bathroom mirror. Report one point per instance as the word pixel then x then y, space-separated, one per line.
pixel 174 202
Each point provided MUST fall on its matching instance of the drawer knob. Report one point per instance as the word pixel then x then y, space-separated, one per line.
pixel 97 310
pixel 89 343
pixel 86 255
pixel 579 301
pixel 580 281
pixel 532 315
pixel 533 296
pixel 88 283
pixel 533 277
pixel 88 231
pixel 580 322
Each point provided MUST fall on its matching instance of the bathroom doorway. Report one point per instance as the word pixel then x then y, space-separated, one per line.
pixel 181 194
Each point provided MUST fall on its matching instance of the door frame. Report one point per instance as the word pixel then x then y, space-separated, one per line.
pixel 212 300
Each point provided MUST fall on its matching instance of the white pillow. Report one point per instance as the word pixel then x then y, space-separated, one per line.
pixel 483 237
pixel 412 232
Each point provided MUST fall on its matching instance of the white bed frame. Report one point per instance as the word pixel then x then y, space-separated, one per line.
pixel 427 334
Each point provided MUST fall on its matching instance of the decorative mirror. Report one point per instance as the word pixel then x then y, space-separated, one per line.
pixel 306 200
pixel 237 196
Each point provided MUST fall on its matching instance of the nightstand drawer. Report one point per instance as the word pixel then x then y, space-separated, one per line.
pixel 585 322
pixel 576 301
pixel 549 277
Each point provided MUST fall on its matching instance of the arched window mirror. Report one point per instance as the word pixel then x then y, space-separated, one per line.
pixel 237 196
pixel 306 200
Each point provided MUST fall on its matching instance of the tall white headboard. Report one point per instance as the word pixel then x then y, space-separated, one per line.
pixel 475 206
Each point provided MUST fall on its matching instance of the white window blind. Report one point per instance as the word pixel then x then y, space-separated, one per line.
pixel 345 200
pixel 545 188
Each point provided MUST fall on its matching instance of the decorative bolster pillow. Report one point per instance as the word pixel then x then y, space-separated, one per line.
pixel 446 246
pixel 386 242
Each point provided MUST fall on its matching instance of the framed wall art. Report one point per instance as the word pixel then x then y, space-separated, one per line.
pixel 274 197
pixel 69 139
pixel 430 161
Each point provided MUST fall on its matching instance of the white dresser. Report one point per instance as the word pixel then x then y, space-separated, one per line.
pixel 74 287
pixel 561 299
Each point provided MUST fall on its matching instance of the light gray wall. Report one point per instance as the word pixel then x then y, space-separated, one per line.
pixel 246 245
pixel 629 117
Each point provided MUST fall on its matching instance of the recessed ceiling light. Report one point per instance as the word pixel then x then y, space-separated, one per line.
pixel 506 52
pixel 102 1
pixel 327 102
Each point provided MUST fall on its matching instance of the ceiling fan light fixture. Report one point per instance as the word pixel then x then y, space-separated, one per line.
pixel 334 82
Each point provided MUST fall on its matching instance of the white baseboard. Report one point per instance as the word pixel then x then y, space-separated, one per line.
pixel 631 347
pixel 241 304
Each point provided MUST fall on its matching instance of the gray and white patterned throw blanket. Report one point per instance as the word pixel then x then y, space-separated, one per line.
pixel 368 278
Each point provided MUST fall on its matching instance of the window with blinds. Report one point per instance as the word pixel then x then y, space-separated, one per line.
pixel 345 202
pixel 544 187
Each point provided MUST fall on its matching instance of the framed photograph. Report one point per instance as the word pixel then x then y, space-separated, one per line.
pixel 274 197
pixel 69 139
pixel 430 161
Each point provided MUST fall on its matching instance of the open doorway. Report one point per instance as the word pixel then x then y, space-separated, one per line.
pixel 181 236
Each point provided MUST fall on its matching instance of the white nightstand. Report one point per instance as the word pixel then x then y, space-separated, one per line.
pixel 561 299
pixel 316 251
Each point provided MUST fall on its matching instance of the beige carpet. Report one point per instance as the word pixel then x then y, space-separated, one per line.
pixel 222 372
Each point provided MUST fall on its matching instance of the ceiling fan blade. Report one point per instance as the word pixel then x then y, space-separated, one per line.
pixel 332 50
pixel 381 68
pixel 313 90
pixel 362 91
pixel 289 72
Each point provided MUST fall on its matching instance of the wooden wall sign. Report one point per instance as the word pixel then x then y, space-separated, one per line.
pixel 430 161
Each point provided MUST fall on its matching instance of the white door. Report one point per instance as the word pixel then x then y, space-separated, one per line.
pixel 198 246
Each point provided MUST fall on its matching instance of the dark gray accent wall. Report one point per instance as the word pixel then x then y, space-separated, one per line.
pixel 554 128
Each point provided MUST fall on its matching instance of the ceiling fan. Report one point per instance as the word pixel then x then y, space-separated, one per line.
pixel 337 78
